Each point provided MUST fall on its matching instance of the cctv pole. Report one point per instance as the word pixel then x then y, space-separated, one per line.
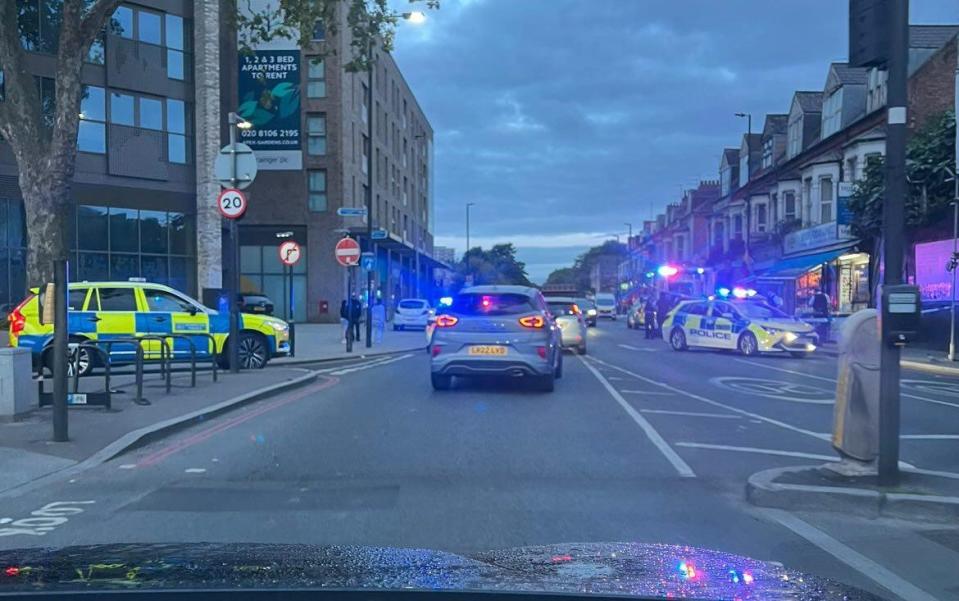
pixel 892 225
pixel 60 350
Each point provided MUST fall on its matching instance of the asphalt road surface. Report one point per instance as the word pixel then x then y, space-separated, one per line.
pixel 637 443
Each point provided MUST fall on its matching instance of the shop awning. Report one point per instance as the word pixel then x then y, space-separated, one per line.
pixel 793 267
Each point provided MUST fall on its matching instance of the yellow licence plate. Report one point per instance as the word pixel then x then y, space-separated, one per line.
pixel 487 350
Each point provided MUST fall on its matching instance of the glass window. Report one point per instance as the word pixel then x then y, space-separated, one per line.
pixel 123 230
pixel 175 64
pixel 153 231
pixel 121 23
pixel 250 259
pixel 271 261
pixel 16 225
pixel 124 267
pixel 93 104
pixel 163 301
pixel 316 78
pixel 149 27
pixel 75 299
pixel 121 109
pixel 93 266
pixel 153 268
pixel 491 304
pixel 151 113
pixel 117 299
pixel 316 128
pixel 319 31
pixel 3 224
pixel 181 234
pixel 180 273
pixel 695 309
pixel 175 116
pixel 94 234
pixel 28 23
pixel 92 137
pixel 317 184
pixel 720 309
pixel 176 148
pixel 51 13
pixel 174 31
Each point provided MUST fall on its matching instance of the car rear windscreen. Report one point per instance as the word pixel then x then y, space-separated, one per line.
pixel 491 304
pixel 412 304
pixel 562 308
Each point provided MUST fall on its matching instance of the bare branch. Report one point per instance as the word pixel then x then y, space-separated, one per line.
pixel 95 18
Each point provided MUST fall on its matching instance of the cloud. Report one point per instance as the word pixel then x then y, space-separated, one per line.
pixel 564 118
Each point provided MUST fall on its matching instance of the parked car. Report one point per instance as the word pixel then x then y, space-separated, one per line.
pixel 606 305
pixel 134 308
pixel 588 307
pixel 498 331
pixel 256 303
pixel 572 324
pixel 412 313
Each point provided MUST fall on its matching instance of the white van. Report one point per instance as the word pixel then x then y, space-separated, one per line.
pixel 606 305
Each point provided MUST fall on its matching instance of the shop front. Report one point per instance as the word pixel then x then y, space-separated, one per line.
pixel 817 259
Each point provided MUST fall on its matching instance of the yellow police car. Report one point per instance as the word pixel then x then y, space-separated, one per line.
pixel 749 326
pixel 105 310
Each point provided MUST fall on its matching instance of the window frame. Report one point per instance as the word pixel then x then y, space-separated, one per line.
pixel 315 195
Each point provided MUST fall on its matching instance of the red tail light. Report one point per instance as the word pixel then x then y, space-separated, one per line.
pixel 532 321
pixel 541 351
pixel 446 321
pixel 576 310
pixel 16 319
pixel 436 350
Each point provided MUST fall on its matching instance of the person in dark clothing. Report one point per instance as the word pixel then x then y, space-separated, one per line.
pixel 649 318
pixel 344 318
pixel 820 309
pixel 356 311
pixel 663 305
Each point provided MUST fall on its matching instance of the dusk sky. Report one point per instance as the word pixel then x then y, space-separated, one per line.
pixel 564 119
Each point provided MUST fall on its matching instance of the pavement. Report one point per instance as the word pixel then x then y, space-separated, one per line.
pixel 323 341
pixel 637 443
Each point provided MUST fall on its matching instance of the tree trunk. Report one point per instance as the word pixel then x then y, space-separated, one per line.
pixel 46 202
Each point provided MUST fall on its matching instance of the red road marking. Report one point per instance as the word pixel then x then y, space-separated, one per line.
pixel 185 443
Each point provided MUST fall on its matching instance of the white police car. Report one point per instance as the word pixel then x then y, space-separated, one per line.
pixel 749 326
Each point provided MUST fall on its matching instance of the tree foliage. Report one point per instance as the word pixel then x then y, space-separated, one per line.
pixel 497 265
pixel 579 274
pixel 41 128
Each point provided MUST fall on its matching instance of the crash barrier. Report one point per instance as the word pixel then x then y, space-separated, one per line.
pixel 100 399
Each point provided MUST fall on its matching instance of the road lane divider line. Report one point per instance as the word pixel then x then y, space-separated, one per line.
pixel 208 433
pixel 649 392
pixel 758 451
pixel 348 370
pixel 630 347
pixel 833 380
pixel 694 396
pixel 654 437
pixel 929 436
pixel 689 413
pixel 849 556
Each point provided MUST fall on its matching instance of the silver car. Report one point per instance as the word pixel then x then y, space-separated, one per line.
pixel 571 321
pixel 499 331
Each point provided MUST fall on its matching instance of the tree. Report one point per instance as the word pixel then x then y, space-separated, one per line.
pixel 930 161
pixel 42 132
pixel 498 265
pixel 579 273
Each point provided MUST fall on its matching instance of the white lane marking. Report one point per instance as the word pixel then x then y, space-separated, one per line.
pixel 691 395
pixel 126 466
pixel 930 436
pixel 950 475
pixel 636 348
pixel 852 558
pixel 689 413
pixel 195 470
pixel 681 466
pixel 348 370
pixel 45 519
pixel 833 380
pixel 649 392
pixel 722 447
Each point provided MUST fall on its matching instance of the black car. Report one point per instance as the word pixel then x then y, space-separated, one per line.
pixel 256 303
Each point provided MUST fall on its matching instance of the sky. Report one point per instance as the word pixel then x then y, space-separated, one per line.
pixel 562 120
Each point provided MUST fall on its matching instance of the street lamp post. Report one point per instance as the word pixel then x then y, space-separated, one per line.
pixel 236 122
pixel 749 170
pixel 468 205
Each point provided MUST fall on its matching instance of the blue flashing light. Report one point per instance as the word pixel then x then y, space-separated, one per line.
pixel 667 271
pixel 700 270
pixel 446 301
pixel 723 291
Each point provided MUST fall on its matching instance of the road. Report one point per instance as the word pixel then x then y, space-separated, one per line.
pixel 638 443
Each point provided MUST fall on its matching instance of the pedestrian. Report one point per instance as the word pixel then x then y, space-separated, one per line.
pixel 356 313
pixel 379 320
pixel 663 305
pixel 649 318
pixel 820 302
pixel 344 319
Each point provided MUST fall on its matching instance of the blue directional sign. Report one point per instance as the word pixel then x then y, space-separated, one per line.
pixel 351 212
pixel 368 261
pixel 380 234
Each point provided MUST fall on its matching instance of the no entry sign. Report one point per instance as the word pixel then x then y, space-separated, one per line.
pixel 289 253
pixel 231 203
pixel 347 252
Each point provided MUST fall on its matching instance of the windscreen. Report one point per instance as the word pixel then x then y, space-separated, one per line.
pixel 491 304
pixel 412 304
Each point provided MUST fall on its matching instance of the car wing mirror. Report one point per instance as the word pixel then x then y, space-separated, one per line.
pixel 192 310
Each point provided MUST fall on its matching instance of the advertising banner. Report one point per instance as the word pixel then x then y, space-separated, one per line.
pixel 269 98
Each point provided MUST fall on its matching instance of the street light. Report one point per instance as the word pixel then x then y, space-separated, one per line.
pixel 468 205
pixel 236 122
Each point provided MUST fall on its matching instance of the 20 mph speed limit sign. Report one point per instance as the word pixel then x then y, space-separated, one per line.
pixel 231 203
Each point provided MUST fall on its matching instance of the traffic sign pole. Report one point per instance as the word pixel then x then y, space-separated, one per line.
pixel 234 338
pixel 290 255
